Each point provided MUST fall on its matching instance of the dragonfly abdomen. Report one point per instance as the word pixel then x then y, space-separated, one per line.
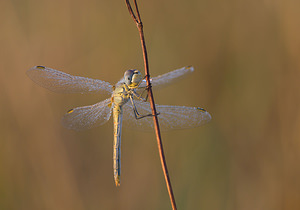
pixel 117 117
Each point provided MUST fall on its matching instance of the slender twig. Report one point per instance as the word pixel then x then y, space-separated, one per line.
pixel 137 19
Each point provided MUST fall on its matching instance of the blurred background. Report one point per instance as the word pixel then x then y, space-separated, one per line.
pixel 246 59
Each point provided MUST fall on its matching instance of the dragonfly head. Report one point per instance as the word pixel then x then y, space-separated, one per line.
pixel 132 77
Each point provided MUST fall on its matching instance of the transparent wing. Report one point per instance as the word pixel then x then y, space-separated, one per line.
pixel 169 78
pixel 170 117
pixel 86 117
pixel 165 79
pixel 61 82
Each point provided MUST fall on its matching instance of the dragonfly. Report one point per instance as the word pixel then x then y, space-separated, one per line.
pixel 126 104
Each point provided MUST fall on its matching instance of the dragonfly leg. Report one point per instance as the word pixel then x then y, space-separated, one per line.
pixel 145 99
pixel 145 89
pixel 136 113
pixel 140 96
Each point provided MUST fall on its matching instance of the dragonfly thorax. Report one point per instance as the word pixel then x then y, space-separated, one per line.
pixel 121 95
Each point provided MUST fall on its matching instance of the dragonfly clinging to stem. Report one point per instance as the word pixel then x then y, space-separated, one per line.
pixel 126 103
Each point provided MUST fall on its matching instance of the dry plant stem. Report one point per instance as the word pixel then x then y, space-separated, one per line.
pixel 137 20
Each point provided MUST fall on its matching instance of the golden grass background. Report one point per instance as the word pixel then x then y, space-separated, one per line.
pixel 246 59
